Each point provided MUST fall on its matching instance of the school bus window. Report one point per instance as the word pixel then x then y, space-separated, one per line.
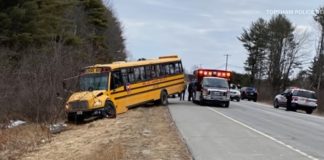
pixel 167 69
pixel 181 68
pixel 98 81
pixel 131 76
pixel 162 70
pixel 148 72
pixel 116 80
pixel 177 68
pixel 142 72
pixel 153 72
pixel 124 75
pixel 157 70
pixel 137 74
pixel 171 68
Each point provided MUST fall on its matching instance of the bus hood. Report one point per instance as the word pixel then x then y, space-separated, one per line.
pixel 84 96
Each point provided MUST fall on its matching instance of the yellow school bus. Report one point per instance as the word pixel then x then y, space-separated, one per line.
pixel 110 89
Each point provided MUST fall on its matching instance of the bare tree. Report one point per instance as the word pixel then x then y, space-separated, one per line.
pixel 294 53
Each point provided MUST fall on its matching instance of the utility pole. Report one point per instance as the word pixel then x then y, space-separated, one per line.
pixel 226 55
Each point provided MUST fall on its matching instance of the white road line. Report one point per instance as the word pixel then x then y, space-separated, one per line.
pixel 265 135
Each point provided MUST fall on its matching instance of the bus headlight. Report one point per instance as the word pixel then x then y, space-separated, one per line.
pixel 97 103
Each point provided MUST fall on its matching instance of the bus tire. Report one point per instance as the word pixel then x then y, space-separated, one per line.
pixel 226 104
pixel 110 110
pixel 164 98
pixel 309 111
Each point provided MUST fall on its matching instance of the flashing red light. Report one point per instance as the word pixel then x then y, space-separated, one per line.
pixel 211 73
pixel 205 73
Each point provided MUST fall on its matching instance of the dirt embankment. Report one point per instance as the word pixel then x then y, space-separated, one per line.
pixel 144 133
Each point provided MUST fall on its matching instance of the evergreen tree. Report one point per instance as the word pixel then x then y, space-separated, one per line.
pixel 255 42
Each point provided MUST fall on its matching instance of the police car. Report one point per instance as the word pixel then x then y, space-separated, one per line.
pixel 302 99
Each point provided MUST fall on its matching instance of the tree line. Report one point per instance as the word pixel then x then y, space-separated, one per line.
pixel 44 41
pixel 276 49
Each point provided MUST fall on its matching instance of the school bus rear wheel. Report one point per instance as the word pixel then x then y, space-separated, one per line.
pixel 164 98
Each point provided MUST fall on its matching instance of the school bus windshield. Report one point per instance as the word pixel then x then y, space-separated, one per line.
pixel 96 81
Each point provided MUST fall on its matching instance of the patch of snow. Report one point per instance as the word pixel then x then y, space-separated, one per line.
pixel 15 123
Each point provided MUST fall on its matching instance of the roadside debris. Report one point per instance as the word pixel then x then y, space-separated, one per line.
pixel 57 128
pixel 15 123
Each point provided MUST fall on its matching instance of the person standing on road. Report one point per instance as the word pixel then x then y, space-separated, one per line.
pixel 182 94
pixel 190 90
pixel 289 99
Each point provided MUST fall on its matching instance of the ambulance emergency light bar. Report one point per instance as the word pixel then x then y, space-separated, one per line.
pixel 213 73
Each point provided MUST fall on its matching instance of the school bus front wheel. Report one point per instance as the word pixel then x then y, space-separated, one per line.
pixel 109 110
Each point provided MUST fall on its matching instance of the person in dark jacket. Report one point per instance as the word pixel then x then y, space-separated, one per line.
pixel 289 99
pixel 190 90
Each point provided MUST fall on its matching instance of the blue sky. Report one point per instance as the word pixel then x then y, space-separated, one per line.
pixel 203 31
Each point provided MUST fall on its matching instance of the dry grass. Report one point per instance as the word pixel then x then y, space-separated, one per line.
pixel 17 141
pixel 143 133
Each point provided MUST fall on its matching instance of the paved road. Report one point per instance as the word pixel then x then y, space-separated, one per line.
pixel 248 130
